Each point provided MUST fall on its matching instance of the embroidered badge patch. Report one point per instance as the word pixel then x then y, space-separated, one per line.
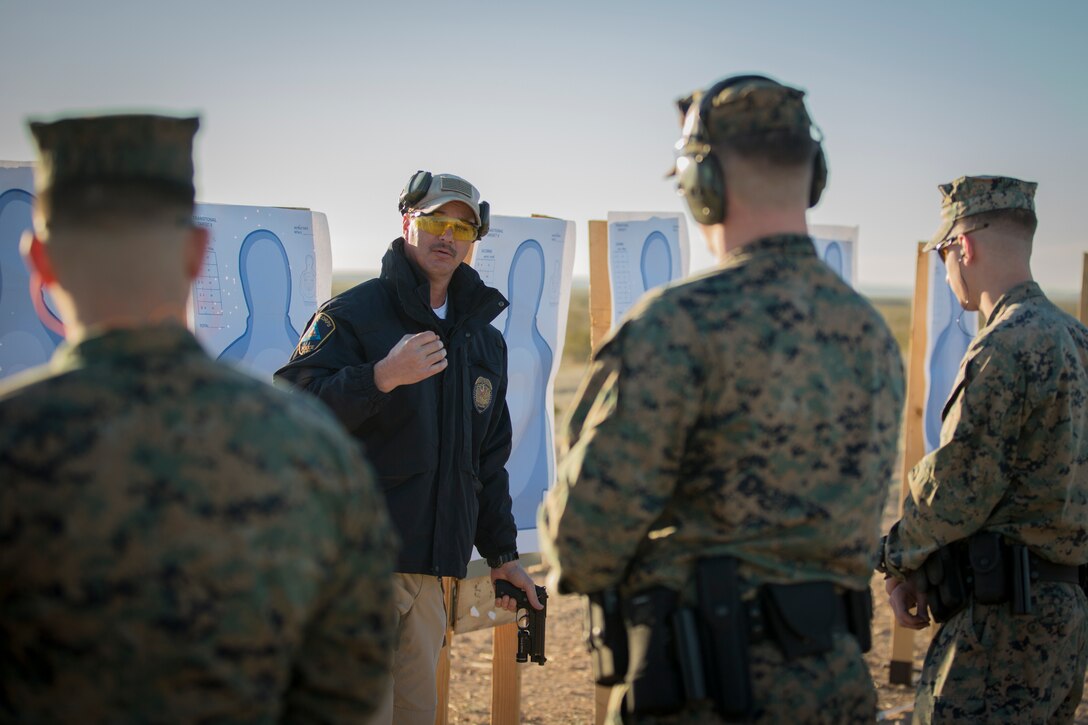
pixel 481 394
pixel 319 330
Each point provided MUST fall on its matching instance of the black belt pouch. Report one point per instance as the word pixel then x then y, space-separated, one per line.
pixel 986 554
pixel 800 617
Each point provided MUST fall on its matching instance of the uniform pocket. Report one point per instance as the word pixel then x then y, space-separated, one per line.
pixel 387 483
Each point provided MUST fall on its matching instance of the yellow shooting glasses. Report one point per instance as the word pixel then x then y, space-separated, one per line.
pixel 437 225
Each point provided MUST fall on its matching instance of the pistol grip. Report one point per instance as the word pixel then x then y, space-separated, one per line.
pixel 504 588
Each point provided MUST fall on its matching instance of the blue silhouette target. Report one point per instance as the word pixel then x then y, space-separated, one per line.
pixel 656 262
pixel 25 339
pixel 645 251
pixel 836 245
pixel 265 275
pixel 951 331
pixel 833 258
pixel 530 367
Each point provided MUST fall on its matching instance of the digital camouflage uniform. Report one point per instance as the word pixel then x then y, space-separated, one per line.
pixel 754 411
pixel 1013 459
pixel 180 542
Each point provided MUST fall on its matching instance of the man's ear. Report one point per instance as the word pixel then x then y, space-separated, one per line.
pixel 405 221
pixel 968 250
pixel 36 254
pixel 196 246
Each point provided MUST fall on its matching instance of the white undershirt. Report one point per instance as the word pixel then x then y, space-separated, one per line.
pixel 440 312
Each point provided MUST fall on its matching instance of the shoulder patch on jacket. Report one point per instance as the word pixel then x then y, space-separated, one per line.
pixel 320 329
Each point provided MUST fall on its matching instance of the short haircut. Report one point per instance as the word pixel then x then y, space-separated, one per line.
pixel 776 149
pixel 130 204
pixel 1023 221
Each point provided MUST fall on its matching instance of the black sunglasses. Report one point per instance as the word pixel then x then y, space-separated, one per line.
pixel 947 244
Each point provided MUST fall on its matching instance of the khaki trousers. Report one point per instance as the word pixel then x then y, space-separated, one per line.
pixel 412 696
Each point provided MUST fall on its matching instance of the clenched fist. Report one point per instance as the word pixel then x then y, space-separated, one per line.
pixel 416 357
pixel 903 596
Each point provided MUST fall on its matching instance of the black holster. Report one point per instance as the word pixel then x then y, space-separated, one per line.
pixel 681 655
pixel 655 684
pixel 987 568
pixel 606 637
pixel 724 618
pixel 945 583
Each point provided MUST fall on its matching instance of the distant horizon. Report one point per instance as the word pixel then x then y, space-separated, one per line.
pixel 873 291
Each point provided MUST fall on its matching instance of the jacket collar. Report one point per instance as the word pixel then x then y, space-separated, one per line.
pixel 472 302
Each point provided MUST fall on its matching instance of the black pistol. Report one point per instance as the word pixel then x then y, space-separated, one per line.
pixel 531 624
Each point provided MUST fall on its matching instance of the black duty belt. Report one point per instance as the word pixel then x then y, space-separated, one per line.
pixel 991 570
pixel 1047 571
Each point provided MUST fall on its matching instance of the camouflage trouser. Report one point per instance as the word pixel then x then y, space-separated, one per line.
pixel 829 689
pixel 986 665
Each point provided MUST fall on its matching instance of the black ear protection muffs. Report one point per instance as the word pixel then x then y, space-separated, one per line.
pixel 485 219
pixel 416 189
pixel 700 179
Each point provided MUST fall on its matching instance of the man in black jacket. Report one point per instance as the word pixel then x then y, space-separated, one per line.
pixel 411 365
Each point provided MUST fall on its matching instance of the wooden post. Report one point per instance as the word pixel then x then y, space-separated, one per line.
pixel 601 696
pixel 1084 292
pixel 600 322
pixel 442 674
pixel 505 676
pixel 600 290
pixel 902 664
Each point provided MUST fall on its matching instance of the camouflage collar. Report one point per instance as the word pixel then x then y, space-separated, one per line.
pixel 1019 293
pixel 776 244
pixel 128 346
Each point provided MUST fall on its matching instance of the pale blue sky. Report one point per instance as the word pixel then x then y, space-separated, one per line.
pixel 566 108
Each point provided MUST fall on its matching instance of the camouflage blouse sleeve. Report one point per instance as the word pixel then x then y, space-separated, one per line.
pixel 954 488
pixel 622 448
pixel 342 667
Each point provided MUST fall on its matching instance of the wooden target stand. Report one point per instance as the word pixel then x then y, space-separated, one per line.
pixel 600 323
pixel 469 603
pixel 901 666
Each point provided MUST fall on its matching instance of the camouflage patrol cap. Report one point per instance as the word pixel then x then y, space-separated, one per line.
pixel 744 105
pixel 970 195
pixel 90 158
